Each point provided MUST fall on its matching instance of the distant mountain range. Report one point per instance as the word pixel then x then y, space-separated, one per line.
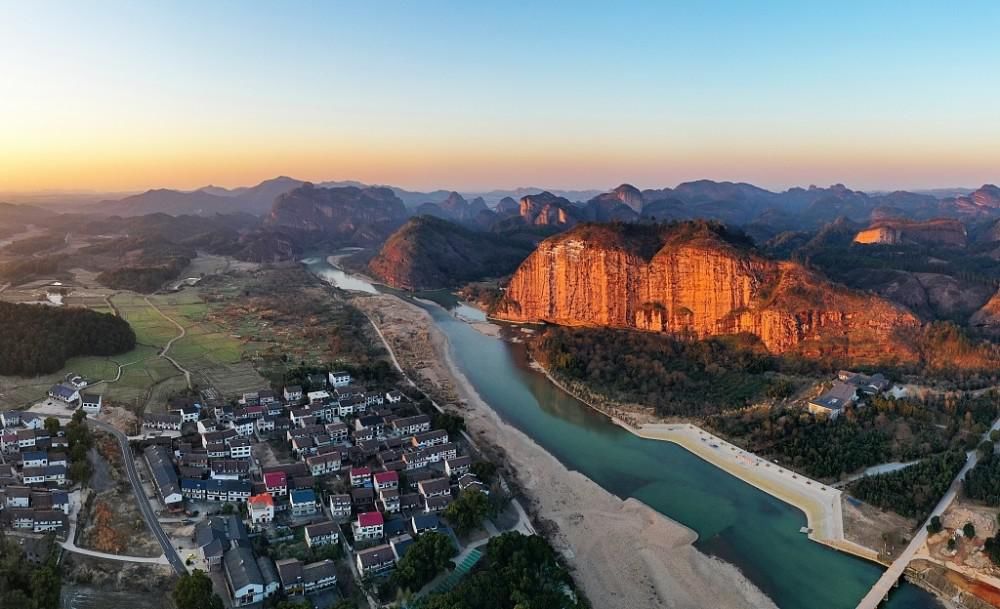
pixel 761 212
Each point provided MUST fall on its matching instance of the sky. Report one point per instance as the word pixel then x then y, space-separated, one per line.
pixel 116 96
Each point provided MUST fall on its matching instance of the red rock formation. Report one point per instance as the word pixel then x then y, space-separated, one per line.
pixel 691 280
pixel 546 209
pixel 892 232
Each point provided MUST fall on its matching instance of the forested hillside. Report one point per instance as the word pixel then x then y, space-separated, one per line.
pixel 38 339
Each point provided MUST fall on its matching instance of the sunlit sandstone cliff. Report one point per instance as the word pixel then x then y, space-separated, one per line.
pixel 892 232
pixel 697 280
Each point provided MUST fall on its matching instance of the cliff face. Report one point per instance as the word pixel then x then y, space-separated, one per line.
pixel 931 232
pixel 694 281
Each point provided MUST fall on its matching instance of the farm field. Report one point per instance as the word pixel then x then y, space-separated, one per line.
pixel 213 355
pixel 234 323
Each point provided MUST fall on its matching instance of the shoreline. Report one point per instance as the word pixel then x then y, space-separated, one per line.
pixel 820 503
pixel 622 552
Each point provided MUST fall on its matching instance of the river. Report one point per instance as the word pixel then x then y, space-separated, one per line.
pixel 734 521
pixel 86 597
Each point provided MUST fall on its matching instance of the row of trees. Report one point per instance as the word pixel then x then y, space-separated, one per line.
pixel 39 339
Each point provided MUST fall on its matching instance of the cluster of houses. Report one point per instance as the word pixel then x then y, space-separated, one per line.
pixel 845 390
pixel 39 456
pixel 34 508
pixel 70 391
pixel 33 475
pixel 392 473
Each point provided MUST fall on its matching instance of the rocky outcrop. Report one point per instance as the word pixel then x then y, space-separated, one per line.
pixel 695 279
pixel 430 253
pixel 987 318
pixel 546 209
pixel 932 232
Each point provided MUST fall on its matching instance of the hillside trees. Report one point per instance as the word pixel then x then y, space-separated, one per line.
pixel 39 339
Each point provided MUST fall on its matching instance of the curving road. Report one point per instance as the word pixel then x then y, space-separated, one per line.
pixel 140 495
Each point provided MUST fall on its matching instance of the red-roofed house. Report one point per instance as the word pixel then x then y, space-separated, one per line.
pixel 385 480
pixel 369 525
pixel 276 483
pixel 360 475
pixel 261 508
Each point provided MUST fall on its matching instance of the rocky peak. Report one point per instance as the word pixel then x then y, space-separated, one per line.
pixel 629 195
pixel 547 209
pixel 477 205
pixel 455 202
pixel 987 195
pixel 508 205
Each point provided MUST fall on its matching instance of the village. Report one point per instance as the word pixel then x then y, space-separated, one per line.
pixel 316 492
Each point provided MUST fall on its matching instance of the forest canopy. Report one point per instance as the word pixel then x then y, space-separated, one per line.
pixel 678 377
pixel 38 339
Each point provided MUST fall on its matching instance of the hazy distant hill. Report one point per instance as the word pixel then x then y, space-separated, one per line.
pixel 429 252
pixel 349 215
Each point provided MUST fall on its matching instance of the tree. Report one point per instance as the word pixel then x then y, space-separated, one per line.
pixel 287 604
pixel 452 423
pixel 969 530
pixel 52 425
pixel 194 591
pixel 517 571
pixel 992 547
pixel 227 508
pixel 468 511
pixel 484 470
pixel 985 449
pixel 24 584
pixel 934 526
pixel 45 586
pixel 427 557
pixel 951 543
pixel 995 435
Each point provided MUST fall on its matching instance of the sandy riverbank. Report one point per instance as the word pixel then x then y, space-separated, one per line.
pixel 624 554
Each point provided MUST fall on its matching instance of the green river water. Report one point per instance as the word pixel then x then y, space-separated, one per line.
pixel 734 521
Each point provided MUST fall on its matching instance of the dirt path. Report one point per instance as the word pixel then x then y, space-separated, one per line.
pixel 170 343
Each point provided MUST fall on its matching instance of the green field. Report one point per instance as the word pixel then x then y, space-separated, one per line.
pixel 213 355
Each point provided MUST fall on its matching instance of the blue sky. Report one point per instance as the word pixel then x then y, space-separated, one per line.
pixel 474 95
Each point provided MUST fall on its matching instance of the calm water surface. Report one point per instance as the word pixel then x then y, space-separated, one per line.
pixel 734 520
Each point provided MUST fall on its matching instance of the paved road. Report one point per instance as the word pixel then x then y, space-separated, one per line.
pixel 140 496
pixel 885 584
